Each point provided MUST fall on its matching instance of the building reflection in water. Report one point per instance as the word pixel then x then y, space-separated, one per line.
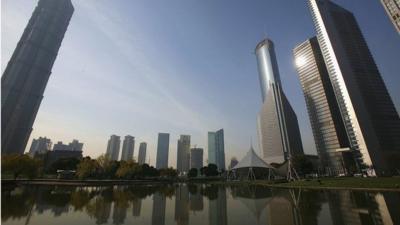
pixel 267 206
pixel 196 199
pixel 182 205
pixel 159 204
pixel 217 211
pixel 136 207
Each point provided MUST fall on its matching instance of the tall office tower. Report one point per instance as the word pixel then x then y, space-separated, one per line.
pixel 392 8
pixel 183 157
pixel 128 147
pixel 370 118
pixel 278 129
pixel 162 151
pixel 327 125
pixel 113 147
pixel 26 75
pixel 216 149
pixel 75 145
pixel 196 158
pixel 40 145
pixel 142 153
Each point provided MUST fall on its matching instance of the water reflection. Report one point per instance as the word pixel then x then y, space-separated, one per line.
pixel 186 204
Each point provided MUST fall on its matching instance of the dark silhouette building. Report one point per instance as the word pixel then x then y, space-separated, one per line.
pixel 26 75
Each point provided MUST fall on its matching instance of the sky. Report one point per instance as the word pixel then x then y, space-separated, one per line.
pixel 179 66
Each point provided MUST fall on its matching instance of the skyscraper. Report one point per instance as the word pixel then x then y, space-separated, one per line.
pixel 113 147
pixel 392 8
pixel 26 75
pixel 327 125
pixel 142 153
pixel 216 149
pixel 371 121
pixel 183 154
pixel 196 158
pixel 128 147
pixel 278 129
pixel 40 145
pixel 162 151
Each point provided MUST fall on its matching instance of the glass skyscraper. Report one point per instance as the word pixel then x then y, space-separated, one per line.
pixel 128 147
pixel 162 151
pixel 278 129
pixel 392 8
pixel 216 149
pixel 371 121
pixel 327 125
pixel 183 154
pixel 26 75
pixel 113 146
pixel 142 153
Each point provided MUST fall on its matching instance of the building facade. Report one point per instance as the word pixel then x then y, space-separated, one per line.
pixel 113 147
pixel 196 158
pixel 327 125
pixel 278 129
pixel 25 77
pixel 40 146
pixel 183 154
pixel 162 151
pixel 216 149
pixel 392 8
pixel 128 147
pixel 142 153
pixel 371 121
pixel 75 145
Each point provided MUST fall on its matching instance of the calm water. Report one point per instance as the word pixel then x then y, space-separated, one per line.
pixel 195 204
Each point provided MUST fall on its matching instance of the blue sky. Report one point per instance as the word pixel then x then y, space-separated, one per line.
pixel 182 67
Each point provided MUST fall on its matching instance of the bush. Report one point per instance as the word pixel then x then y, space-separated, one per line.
pixel 193 172
pixel 19 165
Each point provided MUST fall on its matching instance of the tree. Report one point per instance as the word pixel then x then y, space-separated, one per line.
pixel 168 172
pixel 302 164
pixel 212 170
pixel 192 172
pixel 128 170
pixel 64 164
pixel 19 165
pixel 107 167
pixel 149 171
pixel 87 168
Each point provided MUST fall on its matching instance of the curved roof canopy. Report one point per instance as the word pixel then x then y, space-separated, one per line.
pixel 251 159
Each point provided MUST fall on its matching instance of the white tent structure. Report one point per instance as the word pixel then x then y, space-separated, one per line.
pixel 250 163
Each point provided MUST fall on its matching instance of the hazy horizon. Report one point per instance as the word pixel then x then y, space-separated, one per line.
pixel 180 67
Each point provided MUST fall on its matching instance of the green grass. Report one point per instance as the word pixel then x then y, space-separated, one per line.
pixel 346 182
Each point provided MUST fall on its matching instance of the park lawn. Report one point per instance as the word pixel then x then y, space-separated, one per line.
pixel 346 182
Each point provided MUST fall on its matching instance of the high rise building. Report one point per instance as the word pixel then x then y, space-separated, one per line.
pixel 329 132
pixel 113 147
pixel 26 75
pixel 233 163
pixel 142 153
pixel 196 158
pixel 278 129
pixel 40 146
pixel 216 149
pixel 182 204
pixel 75 145
pixel 392 8
pixel 159 206
pixel 183 154
pixel 128 147
pixel 162 151
pixel 217 213
pixel 371 121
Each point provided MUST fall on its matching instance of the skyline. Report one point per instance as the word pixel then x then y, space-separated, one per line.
pixel 244 81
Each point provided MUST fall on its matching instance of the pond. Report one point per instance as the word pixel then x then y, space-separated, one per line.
pixel 195 204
